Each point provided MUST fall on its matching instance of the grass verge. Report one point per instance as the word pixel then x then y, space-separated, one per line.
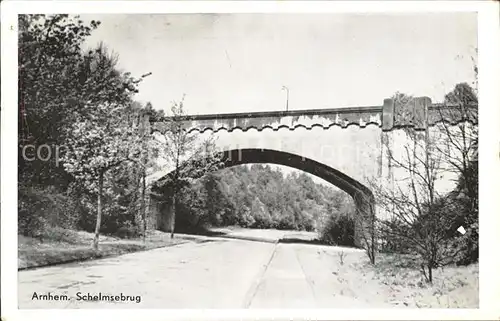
pixel 57 246
pixel 398 281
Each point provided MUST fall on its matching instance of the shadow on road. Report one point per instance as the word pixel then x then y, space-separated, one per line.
pixel 291 240
pixel 302 241
pixel 200 231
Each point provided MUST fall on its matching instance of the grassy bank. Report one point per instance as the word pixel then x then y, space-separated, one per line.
pixel 396 280
pixel 452 287
pixel 58 245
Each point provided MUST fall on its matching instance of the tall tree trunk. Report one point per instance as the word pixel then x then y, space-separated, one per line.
pixel 373 239
pixel 172 219
pixel 99 212
pixel 143 205
pixel 429 267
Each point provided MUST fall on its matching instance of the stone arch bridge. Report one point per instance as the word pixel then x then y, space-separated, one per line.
pixel 343 146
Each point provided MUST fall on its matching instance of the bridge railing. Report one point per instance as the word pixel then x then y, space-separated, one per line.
pixel 417 113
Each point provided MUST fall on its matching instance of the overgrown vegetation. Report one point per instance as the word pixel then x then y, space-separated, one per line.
pixel 424 220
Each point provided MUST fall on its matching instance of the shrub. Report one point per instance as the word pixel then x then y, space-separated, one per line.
pixel 42 207
pixel 470 247
pixel 338 230
pixel 128 231
pixel 389 241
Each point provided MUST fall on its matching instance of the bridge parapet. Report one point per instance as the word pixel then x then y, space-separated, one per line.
pixel 392 114
pixel 326 118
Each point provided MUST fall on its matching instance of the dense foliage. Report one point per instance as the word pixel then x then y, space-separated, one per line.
pixel 259 196
pixel 76 111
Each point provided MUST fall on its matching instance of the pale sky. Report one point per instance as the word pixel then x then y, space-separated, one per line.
pixel 239 62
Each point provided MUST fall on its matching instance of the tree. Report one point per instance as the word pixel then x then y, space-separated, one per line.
pixel 463 139
pixel 365 223
pixel 460 151
pixel 338 229
pixel 217 203
pixel 103 135
pixel 460 108
pixel 67 94
pixel 260 213
pixel 94 150
pixel 420 212
pixel 192 204
pixel 189 155
pixel 53 83
pixel 146 158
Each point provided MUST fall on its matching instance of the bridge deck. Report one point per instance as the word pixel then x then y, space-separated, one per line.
pixel 390 116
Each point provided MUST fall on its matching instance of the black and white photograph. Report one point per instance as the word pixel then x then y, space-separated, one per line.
pixel 248 160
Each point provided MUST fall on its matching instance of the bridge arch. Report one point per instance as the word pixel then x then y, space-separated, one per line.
pixel 362 195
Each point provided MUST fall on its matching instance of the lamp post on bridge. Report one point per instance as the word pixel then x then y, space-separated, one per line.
pixel 142 77
pixel 287 95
